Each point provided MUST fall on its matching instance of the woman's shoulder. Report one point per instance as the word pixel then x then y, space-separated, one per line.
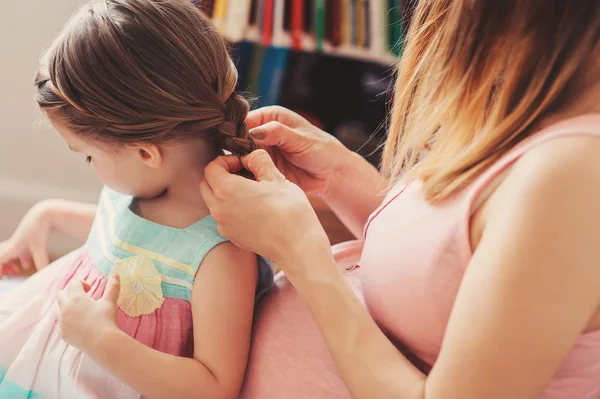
pixel 552 173
pixel 566 166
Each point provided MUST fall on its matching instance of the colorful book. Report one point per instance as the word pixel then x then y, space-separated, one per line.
pixel 267 27
pixel 219 13
pixel 353 23
pixel 360 24
pixel 395 23
pixel 279 36
pixel 237 20
pixel 334 22
pixel 377 29
pixel 385 27
pixel 366 24
pixel 297 23
pixel 345 22
pixel 320 23
pixel 260 16
pixel 271 75
pixel 255 69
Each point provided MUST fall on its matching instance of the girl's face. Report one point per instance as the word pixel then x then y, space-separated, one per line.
pixel 131 169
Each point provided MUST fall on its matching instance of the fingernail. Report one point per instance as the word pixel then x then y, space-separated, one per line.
pixel 257 134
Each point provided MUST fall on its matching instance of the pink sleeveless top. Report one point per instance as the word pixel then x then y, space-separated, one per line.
pixel 414 258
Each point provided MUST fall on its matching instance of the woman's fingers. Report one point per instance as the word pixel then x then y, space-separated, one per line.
pixel 208 195
pixel 221 170
pixel 275 134
pixel 273 113
pixel 262 167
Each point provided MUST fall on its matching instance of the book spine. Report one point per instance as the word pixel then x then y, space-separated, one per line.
pixel 297 24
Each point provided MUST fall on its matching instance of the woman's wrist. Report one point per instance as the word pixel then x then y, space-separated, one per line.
pixel 308 257
pixel 353 190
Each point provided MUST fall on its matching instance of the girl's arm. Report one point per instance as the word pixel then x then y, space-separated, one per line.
pixel 528 294
pixel 73 219
pixel 222 307
pixel 29 241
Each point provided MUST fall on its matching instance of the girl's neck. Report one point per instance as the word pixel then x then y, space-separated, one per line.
pixel 181 204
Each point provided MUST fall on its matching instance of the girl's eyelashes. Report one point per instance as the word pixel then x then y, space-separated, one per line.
pixel 88 159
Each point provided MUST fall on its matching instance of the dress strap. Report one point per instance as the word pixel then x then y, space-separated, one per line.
pixel 394 193
pixel 585 125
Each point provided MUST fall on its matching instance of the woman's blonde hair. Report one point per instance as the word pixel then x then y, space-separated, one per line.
pixel 475 77
pixel 128 71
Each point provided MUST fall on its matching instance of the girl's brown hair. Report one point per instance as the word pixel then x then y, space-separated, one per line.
pixel 476 76
pixel 130 71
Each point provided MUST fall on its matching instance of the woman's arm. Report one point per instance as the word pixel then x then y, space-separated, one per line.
pixel 222 307
pixel 355 191
pixel 529 293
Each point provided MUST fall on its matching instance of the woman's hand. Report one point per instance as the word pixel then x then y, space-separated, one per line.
pixel 306 155
pixel 29 241
pixel 270 216
pixel 82 320
pixel 319 164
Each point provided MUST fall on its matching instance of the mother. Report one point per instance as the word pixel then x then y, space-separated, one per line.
pixel 482 260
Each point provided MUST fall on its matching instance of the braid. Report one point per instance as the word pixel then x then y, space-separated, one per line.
pixel 233 131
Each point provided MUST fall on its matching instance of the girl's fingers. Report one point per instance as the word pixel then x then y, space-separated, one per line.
pixel 26 260
pixel 113 288
pixel 39 255
pixel 86 286
pixel 8 251
pixel 74 287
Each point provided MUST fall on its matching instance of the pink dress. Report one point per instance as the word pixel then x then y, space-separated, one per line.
pixel 413 261
pixel 35 363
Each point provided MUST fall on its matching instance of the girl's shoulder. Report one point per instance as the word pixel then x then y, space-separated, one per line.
pixel 119 231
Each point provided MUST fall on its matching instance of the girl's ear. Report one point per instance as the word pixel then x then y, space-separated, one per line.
pixel 150 155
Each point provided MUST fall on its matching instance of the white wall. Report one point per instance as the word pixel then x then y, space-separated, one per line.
pixel 34 162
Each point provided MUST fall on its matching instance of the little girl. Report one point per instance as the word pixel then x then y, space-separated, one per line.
pixel 144 90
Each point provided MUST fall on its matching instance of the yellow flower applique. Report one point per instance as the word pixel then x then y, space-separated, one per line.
pixel 141 290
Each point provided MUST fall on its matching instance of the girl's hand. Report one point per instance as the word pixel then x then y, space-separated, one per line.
pixel 306 155
pixel 82 320
pixel 29 241
pixel 270 216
